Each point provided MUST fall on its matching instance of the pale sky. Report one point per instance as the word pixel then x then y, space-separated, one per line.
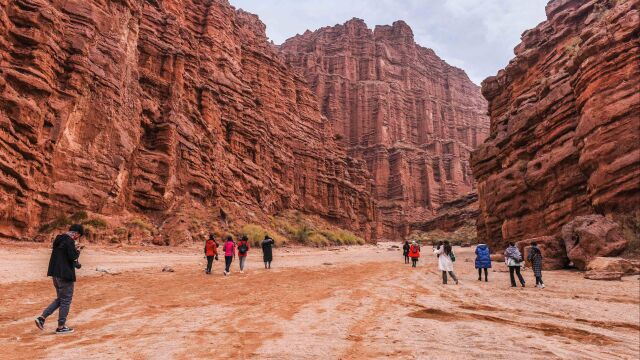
pixel 475 35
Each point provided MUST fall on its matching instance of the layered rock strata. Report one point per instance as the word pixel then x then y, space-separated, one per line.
pixel 412 117
pixel 565 124
pixel 160 107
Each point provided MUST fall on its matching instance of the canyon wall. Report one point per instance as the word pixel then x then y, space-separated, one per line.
pixel 162 108
pixel 412 117
pixel 565 124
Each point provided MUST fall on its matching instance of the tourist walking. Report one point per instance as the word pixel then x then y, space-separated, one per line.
pixel 405 251
pixel 483 261
pixel 211 252
pixel 446 257
pixel 229 249
pixel 414 253
pixel 62 268
pixel 513 258
pixel 267 252
pixel 243 249
pixel 535 257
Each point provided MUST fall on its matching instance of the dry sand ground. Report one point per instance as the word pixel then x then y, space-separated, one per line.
pixel 356 303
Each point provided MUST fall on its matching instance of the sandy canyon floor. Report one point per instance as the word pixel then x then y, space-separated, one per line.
pixel 344 303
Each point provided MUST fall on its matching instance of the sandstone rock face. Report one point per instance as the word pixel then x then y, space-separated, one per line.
pixel 412 117
pixel 161 107
pixel 587 237
pixel 564 138
pixel 451 215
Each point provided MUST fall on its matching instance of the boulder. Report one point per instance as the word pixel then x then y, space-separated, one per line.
pixel 615 264
pixel 167 268
pixel 554 255
pixel 603 275
pixel 588 237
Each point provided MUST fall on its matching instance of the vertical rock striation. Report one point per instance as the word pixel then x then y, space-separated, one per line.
pixel 413 118
pixel 565 123
pixel 160 107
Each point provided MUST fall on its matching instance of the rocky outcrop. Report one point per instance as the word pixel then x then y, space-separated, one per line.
pixel 587 237
pixel 161 108
pixel 564 139
pixel 614 264
pixel 451 215
pixel 412 117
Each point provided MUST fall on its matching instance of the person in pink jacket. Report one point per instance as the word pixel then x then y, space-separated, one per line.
pixel 229 249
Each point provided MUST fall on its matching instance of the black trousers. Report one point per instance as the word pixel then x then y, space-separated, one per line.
pixel 209 263
pixel 414 262
pixel 227 262
pixel 486 273
pixel 539 280
pixel 406 259
pixel 515 269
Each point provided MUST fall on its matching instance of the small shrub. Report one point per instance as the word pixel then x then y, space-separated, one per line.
pixel 79 216
pixel 256 234
pixel 318 240
pixel 95 223
pixel 60 222
pixel 142 224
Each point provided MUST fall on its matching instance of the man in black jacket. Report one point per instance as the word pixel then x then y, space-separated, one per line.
pixel 62 268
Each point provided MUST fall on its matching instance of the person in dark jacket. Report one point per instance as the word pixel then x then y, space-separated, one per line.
pixel 211 252
pixel 405 251
pixel 483 261
pixel 267 252
pixel 62 268
pixel 535 257
pixel 243 249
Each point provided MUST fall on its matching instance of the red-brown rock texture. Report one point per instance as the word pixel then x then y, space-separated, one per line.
pixel 160 107
pixel 565 124
pixel 397 105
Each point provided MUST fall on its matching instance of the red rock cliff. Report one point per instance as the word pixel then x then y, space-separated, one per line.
pixel 565 123
pixel 158 107
pixel 397 105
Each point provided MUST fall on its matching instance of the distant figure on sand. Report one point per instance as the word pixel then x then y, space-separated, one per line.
pixel 267 252
pixel 513 258
pixel 535 257
pixel 211 252
pixel 405 251
pixel 62 268
pixel 243 249
pixel 446 257
pixel 229 248
pixel 483 261
pixel 414 253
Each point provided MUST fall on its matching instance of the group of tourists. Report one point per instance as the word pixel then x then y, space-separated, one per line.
pixel 512 255
pixel 65 254
pixel 229 249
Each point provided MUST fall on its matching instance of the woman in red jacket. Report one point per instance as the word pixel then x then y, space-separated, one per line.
pixel 414 253
pixel 210 251
pixel 243 249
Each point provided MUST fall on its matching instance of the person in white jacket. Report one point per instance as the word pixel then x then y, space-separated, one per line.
pixel 445 261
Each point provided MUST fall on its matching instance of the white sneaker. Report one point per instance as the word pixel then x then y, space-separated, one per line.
pixel 541 286
pixel 241 271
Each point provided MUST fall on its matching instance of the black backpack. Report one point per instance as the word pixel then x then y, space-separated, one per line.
pixel 243 248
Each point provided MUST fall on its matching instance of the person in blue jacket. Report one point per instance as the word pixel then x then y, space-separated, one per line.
pixel 483 261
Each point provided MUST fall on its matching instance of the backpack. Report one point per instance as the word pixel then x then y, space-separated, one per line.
pixel 243 248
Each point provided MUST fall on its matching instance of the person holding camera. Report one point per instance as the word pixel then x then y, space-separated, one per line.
pixel 62 268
